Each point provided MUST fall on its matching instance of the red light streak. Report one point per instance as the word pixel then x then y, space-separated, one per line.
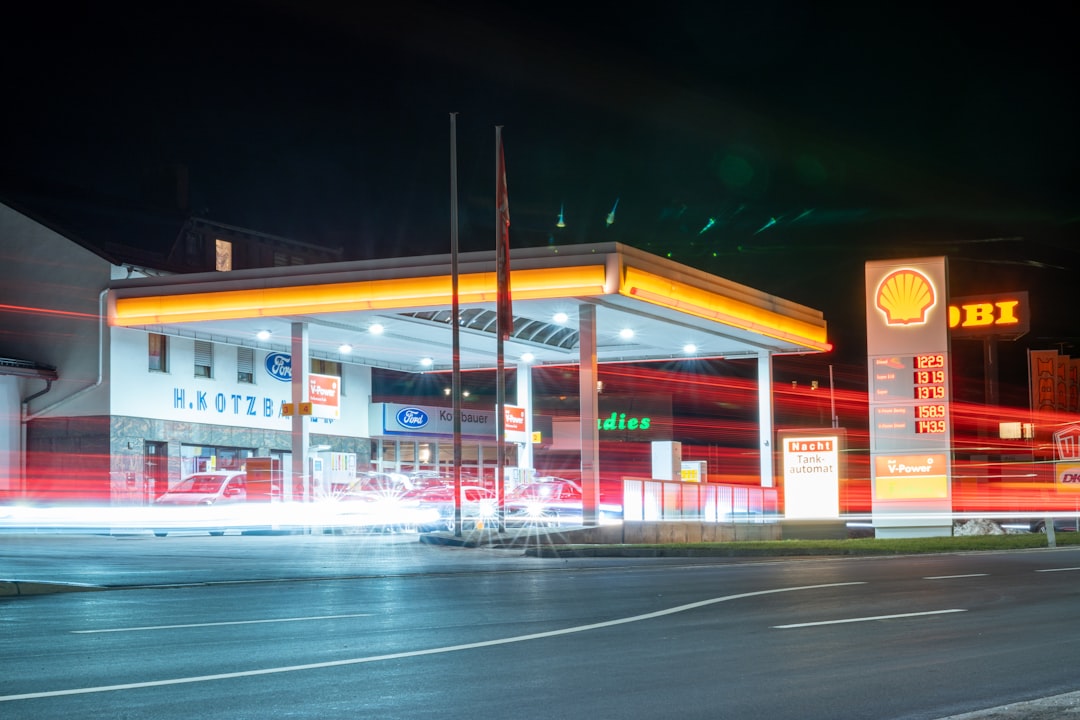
pixel 48 311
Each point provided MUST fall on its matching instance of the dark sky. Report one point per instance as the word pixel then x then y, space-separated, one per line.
pixel 778 144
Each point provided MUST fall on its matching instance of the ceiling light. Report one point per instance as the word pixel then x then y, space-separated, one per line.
pixel 345 348
pixel 376 329
pixel 527 357
pixel 560 318
pixel 626 333
pixel 689 348
pixel 426 361
pixel 263 334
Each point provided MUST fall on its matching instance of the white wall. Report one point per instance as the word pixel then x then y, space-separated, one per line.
pixel 180 396
pixel 53 286
pixel 10 463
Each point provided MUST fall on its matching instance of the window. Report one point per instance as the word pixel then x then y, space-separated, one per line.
pixel 245 365
pixel 204 359
pixel 158 353
pixel 328 367
pixel 223 255
pixel 284 259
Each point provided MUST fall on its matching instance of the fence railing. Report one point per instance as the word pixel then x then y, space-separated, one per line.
pixel 655 500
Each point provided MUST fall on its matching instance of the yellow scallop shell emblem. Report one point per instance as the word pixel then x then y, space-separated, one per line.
pixel 905 296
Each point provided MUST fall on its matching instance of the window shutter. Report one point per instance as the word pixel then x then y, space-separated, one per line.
pixel 204 358
pixel 245 365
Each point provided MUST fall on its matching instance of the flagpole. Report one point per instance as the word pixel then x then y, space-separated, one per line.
pixel 502 221
pixel 455 329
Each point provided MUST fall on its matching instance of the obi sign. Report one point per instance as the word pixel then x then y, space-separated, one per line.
pixel 1005 316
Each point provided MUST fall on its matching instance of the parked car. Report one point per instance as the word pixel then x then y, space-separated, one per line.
pixel 378 502
pixel 551 502
pixel 209 488
pixel 544 502
pixel 478 506
pixel 376 485
pixel 203 489
pixel 1061 524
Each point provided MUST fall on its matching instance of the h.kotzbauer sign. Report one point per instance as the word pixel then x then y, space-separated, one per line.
pixel 428 421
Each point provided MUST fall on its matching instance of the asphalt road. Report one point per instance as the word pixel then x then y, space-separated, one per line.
pixel 366 626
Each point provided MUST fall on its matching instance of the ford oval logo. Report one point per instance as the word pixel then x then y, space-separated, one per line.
pixel 279 366
pixel 412 417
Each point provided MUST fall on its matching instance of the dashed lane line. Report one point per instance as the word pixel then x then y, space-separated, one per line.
pixel 868 619
pixel 219 624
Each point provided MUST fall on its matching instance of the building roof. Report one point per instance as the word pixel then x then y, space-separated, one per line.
pixel 674 311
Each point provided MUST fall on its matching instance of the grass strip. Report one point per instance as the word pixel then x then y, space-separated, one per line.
pixel 852 546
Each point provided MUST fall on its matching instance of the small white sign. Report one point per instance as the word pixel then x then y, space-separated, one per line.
pixel 812 477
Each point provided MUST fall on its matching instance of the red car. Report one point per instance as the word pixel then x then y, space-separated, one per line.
pixel 478 506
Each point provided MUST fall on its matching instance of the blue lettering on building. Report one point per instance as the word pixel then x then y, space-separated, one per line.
pixel 233 404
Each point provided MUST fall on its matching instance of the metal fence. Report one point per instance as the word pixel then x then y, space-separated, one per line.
pixel 655 500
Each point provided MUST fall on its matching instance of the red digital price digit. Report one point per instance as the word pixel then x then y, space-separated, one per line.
pixel 930 392
pixel 928 362
pixel 923 412
pixel 930 426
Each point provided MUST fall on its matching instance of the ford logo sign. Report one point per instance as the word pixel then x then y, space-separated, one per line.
pixel 279 366
pixel 412 417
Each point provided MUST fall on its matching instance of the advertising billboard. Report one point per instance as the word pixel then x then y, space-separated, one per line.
pixel 908 361
pixel 812 464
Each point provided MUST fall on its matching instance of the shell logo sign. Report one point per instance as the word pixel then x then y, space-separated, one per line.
pixel 905 296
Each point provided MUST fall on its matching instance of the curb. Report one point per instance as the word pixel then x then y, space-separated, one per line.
pixel 18 588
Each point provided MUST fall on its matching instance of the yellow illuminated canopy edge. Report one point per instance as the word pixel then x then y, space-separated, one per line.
pixel 393 294
pixel 729 311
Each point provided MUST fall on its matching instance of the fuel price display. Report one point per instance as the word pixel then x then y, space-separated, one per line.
pixel 910 398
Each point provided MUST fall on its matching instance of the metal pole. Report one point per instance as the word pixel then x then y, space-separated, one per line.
pixel 832 401
pixel 500 370
pixel 455 333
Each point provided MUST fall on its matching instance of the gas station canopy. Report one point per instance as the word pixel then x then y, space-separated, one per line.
pixel 395 313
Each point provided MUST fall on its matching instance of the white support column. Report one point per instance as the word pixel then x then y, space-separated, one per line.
pixel 525 400
pixel 765 417
pixel 301 477
pixel 590 436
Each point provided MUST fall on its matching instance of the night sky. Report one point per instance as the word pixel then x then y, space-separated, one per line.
pixel 778 144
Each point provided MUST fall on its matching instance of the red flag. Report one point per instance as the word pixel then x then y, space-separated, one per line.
pixel 504 312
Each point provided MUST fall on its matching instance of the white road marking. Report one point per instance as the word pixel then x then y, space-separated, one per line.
pixel 868 619
pixel 953 577
pixel 414 653
pixel 218 624
pixel 1058 569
